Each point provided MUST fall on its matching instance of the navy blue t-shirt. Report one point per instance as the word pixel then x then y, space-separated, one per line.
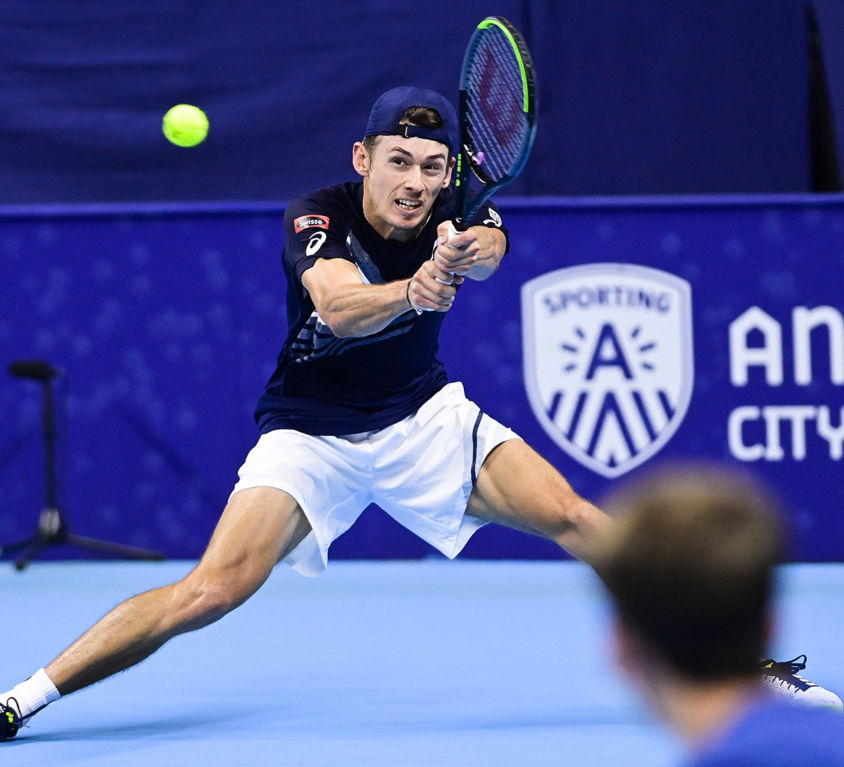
pixel 776 733
pixel 328 385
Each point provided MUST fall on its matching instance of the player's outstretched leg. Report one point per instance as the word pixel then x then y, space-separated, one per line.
pixel 518 488
pixel 258 527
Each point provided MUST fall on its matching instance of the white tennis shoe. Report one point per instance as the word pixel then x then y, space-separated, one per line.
pixel 782 678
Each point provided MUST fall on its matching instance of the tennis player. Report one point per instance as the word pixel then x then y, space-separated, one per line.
pixel 359 409
pixel 689 565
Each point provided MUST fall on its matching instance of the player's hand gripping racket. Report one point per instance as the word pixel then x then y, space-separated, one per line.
pixel 497 115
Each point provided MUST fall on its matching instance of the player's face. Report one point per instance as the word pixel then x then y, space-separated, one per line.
pixel 402 178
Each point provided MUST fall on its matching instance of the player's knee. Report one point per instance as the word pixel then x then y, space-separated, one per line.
pixel 206 598
pixel 577 526
pixel 572 513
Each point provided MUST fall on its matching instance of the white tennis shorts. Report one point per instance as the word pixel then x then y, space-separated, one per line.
pixel 420 471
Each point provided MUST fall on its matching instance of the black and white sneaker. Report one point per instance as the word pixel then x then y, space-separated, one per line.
pixel 782 678
pixel 10 719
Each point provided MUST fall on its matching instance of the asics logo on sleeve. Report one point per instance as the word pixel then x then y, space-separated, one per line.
pixel 315 242
pixel 494 218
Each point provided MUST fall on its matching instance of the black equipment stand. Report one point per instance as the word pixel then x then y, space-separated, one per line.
pixel 52 528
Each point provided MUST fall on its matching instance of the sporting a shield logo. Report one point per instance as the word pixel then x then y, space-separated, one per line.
pixel 608 360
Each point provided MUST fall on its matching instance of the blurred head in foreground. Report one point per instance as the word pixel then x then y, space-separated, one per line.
pixel 689 565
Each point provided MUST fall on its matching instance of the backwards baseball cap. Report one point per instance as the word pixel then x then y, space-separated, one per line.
pixel 388 110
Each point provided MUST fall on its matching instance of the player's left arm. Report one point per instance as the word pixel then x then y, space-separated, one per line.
pixel 475 253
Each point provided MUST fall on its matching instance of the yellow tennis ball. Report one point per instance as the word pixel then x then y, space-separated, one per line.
pixel 185 125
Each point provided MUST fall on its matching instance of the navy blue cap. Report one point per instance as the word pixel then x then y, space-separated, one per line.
pixel 391 106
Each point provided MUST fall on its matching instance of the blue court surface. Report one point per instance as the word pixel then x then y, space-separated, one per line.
pixel 411 664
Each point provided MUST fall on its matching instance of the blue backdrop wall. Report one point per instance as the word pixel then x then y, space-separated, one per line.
pixel 617 333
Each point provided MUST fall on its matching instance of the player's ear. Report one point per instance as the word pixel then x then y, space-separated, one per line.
pixel 449 169
pixel 361 158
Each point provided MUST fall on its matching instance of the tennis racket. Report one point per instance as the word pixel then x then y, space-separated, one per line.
pixel 497 115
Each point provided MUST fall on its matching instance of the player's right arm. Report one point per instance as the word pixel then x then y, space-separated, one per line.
pixel 318 256
pixel 352 308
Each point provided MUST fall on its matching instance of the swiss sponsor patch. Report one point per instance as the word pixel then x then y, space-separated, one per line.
pixel 310 222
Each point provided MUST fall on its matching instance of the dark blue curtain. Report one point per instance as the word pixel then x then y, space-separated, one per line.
pixel 644 97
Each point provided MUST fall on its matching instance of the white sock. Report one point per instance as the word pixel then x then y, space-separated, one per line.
pixel 32 694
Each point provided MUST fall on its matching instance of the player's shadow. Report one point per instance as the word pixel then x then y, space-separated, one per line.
pixel 147 728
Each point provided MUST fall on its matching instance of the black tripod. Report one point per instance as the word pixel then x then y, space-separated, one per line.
pixel 52 528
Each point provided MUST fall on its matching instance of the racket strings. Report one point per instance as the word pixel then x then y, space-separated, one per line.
pixel 495 96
